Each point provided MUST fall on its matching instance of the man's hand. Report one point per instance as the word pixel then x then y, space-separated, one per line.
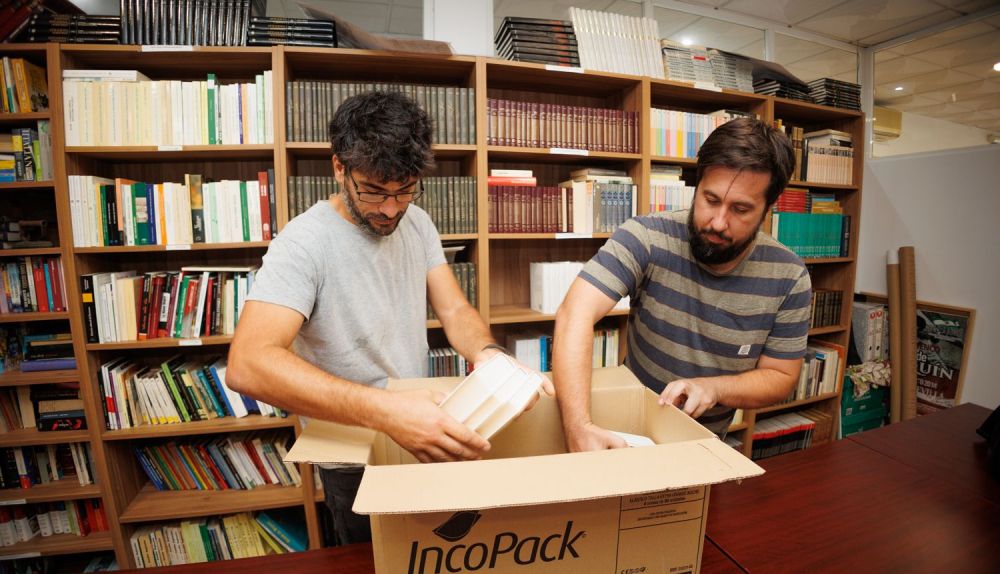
pixel 416 422
pixel 693 396
pixel 592 437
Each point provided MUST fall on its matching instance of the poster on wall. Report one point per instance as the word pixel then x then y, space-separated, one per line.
pixel 943 339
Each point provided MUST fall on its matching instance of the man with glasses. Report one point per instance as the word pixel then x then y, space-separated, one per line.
pixel 339 304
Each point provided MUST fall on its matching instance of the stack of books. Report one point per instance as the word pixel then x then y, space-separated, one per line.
pixel 76 28
pixel 537 40
pixel 731 71
pixel 182 22
pixel 782 89
pixel 617 43
pixel 688 64
pixel 272 31
pixel 836 93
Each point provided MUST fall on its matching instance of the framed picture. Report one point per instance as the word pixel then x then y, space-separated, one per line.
pixel 944 338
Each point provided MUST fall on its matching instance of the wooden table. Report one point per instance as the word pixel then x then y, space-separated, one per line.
pixel 913 497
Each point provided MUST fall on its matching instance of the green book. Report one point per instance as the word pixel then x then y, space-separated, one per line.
pixel 211 109
pixel 140 210
pixel 179 306
pixel 174 389
pixel 245 211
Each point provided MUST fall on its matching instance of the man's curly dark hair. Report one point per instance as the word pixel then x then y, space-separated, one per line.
pixel 384 135
pixel 751 144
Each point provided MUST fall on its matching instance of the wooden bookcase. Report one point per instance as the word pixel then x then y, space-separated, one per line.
pixel 502 259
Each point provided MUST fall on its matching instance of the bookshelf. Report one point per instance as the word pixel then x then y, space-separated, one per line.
pixel 501 259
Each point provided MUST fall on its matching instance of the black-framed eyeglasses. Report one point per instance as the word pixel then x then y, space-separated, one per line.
pixel 368 196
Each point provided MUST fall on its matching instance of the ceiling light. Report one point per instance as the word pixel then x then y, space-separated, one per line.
pixel 898 88
pixel 686 41
pixel 996 67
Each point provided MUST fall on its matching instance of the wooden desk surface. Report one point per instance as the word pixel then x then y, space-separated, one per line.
pixel 943 445
pixel 357 559
pixel 845 507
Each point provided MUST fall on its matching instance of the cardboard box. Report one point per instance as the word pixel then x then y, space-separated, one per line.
pixel 532 507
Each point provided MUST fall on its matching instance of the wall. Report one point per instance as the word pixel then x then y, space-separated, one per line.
pixel 946 205
pixel 924 134
pixel 466 24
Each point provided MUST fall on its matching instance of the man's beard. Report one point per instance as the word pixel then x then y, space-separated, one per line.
pixel 366 222
pixel 709 253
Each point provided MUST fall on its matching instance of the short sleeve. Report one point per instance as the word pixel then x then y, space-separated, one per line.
pixel 433 252
pixel 288 277
pixel 619 266
pixel 788 337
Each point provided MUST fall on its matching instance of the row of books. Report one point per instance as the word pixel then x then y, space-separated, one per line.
pixel 822 156
pixel 190 303
pixel 465 274
pixel 243 535
pixel 538 125
pixel 174 391
pixel 33 284
pixel 667 191
pixel 550 281
pixel 32 348
pixel 617 43
pixel 23 86
pixel 26 153
pixel 312 104
pixel 124 212
pixel 46 26
pixel 826 307
pixel 27 466
pixel 676 133
pixel 51 407
pixel 782 433
pixel 186 22
pixel 812 235
pixel 23 522
pixel 447 362
pixel 231 462
pixel 527 209
pixel 126 108
pixel 276 31
pixel 835 93
pixel 537 40
pixel 304 191
pixel 820 372
pixel 534 349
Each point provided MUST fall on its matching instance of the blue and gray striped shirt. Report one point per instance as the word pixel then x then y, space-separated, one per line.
pixel 688 322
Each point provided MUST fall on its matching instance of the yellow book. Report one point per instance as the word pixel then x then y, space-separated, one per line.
pixel 272 546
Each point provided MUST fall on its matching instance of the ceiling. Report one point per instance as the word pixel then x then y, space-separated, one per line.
pixel 947 76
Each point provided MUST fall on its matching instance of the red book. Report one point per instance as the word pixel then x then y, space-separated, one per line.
pixel 259 464
pixel 41 292
pixel 508 180
pixel 206 323
pixel 152 317
pixel 210 464
pixel 265 209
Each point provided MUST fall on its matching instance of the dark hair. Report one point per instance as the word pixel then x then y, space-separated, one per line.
pixel 384 135
pixel 747 143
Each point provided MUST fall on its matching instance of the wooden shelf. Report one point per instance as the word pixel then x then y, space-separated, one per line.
pixel 23 117
pixel 503 314
pixel 827 330
pixel 151 505
pixel 65 489
pixel 322 150
pixel 738 427
pixel 459 236
pixel 561 236
pixel 826 260
pixel 26 185
pixel 185 153
pixel 433 324
pixel 32 317
pixel 544 155
pixel 213 426
pixel 33 437
pixel 681 161
pixel 59 544
pixel 30 252
pixel 801 403
pixel 816 185
pixel 161 343
pixel 15 377
pixel 183 247
pixel 796 112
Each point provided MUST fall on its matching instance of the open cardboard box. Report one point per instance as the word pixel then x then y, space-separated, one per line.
pixel 533 507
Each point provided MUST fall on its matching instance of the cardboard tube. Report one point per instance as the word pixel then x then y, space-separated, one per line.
pixel 895 339
pixel 908 330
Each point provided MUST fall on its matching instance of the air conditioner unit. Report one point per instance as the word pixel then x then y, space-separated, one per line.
pixel 888 124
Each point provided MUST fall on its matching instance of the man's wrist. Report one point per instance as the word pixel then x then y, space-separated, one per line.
pixel 496 347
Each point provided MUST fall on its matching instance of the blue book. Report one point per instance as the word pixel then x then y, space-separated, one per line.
pixel 212 379
pixel 286 529
pixel 151 210
pixel 220 461
pixel 151 472
pixel 48 365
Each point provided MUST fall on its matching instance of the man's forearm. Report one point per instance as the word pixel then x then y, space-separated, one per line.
pixel 574 347
pixel 753 389
pixel 467 332
pixel 279 377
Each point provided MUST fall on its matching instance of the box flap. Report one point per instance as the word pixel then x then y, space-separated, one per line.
pixel 326 442
pixel 548 479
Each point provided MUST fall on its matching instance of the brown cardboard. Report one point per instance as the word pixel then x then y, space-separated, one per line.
pixel 533 507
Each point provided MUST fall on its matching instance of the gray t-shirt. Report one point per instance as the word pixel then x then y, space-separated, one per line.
pixel 364 297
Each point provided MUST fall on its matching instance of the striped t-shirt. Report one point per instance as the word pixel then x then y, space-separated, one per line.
pixel 688 322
